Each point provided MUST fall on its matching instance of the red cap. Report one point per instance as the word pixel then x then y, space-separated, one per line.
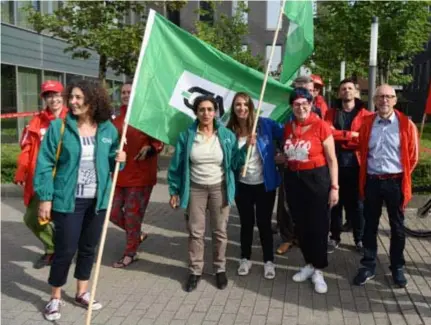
pixel 317 80
pixel 51 85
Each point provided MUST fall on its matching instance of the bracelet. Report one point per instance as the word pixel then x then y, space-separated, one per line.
pixel 335 187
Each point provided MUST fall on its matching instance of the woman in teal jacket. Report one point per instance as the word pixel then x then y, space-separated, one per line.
pixel 73 180
pixel 201 176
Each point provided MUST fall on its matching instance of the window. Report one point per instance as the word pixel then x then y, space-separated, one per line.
pixel 70 78
pixel 272 12
pixel 174 16
pixel 8 103
pixel 48 7
pixel 29 81
pixel 22 20
pixel 276 59
pixel 7 12
pixel 207 12
pixel 52 75
pixel 235 5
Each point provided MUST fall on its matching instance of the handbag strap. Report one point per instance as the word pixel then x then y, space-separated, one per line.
pixel 57 155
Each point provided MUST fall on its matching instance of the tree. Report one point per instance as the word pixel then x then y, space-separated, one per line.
pixel 99 26
pixel 342 32
pixel 227 33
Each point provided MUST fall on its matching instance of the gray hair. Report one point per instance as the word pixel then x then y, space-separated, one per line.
pixel 301 81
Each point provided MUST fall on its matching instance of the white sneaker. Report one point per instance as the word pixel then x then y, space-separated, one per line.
pixel 52 309
pixel 320 285
pixel 304 273
pixel 269 270
pixel 244 266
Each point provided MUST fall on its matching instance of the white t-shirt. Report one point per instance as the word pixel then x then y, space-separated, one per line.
pixel 86 186
pixel 206 159
pixel 254 174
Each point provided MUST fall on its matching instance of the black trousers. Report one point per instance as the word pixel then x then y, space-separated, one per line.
pixel 307 194
pixel 285 221
pixel 348 178
pixel 255 203
pixel 79 230
pixel 376 192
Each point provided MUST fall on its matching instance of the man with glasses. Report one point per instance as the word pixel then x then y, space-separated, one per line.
pixel 346 119
pixel 388 147
pixel 51 93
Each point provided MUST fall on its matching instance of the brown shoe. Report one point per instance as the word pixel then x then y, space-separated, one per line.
pixel 283 248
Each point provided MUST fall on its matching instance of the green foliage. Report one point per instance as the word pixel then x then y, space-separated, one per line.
pixel 9 156
pixel 227 33
pixel 342 32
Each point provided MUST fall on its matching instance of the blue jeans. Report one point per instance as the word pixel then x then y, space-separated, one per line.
pixel 378 191
pixel 79 230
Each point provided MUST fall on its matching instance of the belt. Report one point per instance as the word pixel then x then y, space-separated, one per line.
pixel 305 165
pixel 385 176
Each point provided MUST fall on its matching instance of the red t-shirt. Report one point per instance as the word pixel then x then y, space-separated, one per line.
pixel 304 150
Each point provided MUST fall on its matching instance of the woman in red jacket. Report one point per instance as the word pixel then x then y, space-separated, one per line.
pixel 51 92
pixel 311 183
pixel 135 182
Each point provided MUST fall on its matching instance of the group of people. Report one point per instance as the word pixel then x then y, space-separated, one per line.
pixel 333 158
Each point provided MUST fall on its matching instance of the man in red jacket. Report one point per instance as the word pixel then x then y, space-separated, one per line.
pixel 319 101
pixel 51 92
pixel 135 182
pixel 388 148
pixel 345 120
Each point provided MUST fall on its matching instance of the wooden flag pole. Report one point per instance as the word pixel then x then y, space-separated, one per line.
pixel 147 33
pixel 265 80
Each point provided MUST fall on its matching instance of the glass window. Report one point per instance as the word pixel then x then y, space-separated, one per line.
pixel 22 20
pixel 235 7
pixel 272 13
pixel 8 103
pixel 70 78
pixel 29 81
pixel 48 7
pixel 276 59
pixel 52 75
pixel 174 16
pixel 7 12
pixel 207 13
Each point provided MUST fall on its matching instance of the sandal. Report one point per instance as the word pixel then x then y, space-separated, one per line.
pixel 144 236
pixel 120 264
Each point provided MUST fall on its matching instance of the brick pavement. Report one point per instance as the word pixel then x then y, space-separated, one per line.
pixel 150 290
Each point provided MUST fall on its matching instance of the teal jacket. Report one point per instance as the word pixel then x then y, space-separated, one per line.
pixel 61 188
pixel 179 169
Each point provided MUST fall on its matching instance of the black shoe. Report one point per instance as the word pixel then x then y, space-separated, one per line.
pixel 44 260
pixel 332 245
pixel 221 280
pixel 399 278
pixel 363 276
pixel 192 282
pixel 359 247
pixel 347 227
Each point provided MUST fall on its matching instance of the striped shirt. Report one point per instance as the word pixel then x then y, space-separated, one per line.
pixel 87 180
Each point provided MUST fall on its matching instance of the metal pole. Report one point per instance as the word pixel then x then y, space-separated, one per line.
pixel 329 92
pixel 373 62
pixel 343 70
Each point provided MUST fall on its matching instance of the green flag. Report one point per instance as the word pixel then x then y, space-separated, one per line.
pixel 300 37
pixel 175 67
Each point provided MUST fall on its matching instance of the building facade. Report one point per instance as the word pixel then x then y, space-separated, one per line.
pixel 29 58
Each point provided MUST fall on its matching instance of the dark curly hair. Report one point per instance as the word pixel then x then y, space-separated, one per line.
pixel 96 96
pixel 201 99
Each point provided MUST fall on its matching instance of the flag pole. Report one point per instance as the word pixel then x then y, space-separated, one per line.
pixel 265 80
pixel 424 118
pixel 145 41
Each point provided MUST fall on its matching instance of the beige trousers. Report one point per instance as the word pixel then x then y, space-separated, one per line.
pixel 213 198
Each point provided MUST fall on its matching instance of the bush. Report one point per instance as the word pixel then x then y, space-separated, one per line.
pixel 9 156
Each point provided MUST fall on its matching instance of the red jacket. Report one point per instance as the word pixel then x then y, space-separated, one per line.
pixel 409 152
pixel 320 103
pixel 344 137
pixel 30 143
pixel 137 173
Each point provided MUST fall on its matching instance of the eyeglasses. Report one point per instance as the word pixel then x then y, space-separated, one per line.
pixel 53 96
pixel 301 105
pixel 382 97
